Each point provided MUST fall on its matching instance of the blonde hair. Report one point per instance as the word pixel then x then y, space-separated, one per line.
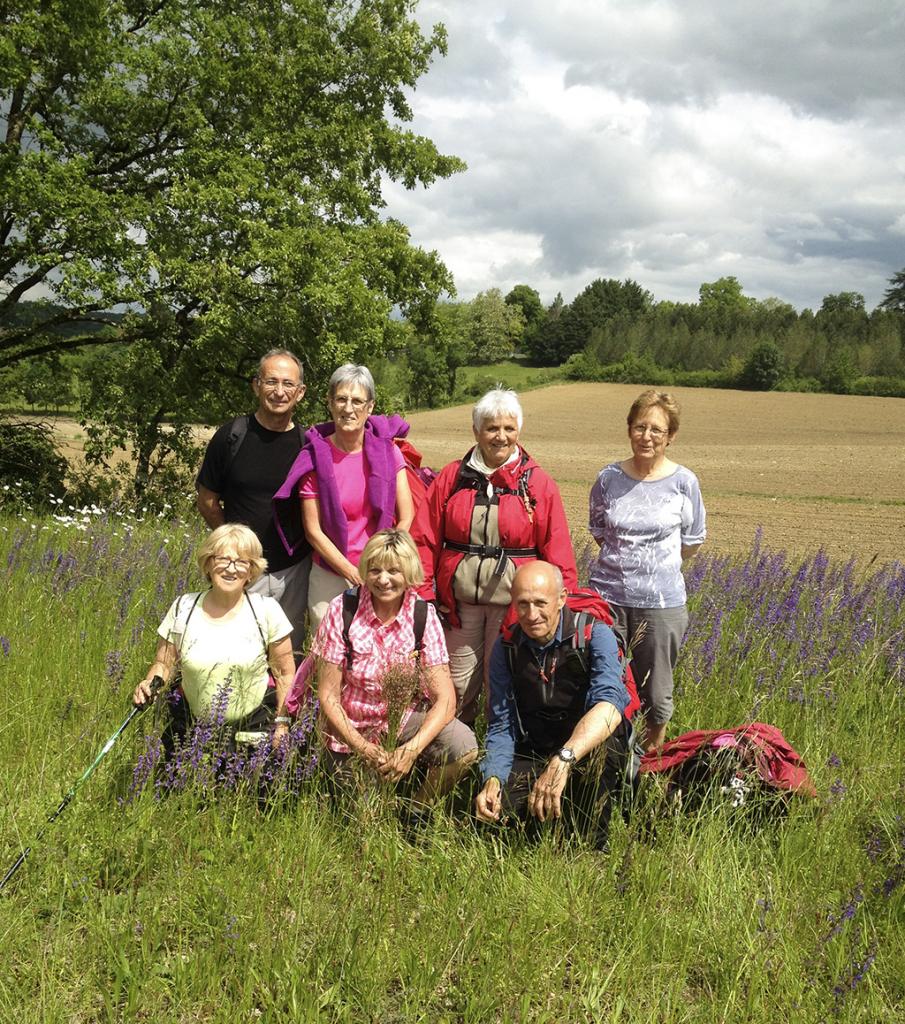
pixel 391 549
pixel 242 540
pixel 653 399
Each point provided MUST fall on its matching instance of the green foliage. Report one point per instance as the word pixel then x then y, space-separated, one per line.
pixel 805 385
pixel 843 319
pixel 764 368
pixel 528 301
pixel 568 329
pixel 894 296
pixel 840 372
pixel 42 382
pixel 730 340
pixel 724 297
pixel 127 397
pixel 32 470
pixel 495 327
pixel 432 377
pixel 725 378
pixel 886 387
pixel 214 168
pixel 432 356
pixel 633 369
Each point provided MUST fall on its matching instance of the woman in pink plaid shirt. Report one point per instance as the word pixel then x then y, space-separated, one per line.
pixel 379 676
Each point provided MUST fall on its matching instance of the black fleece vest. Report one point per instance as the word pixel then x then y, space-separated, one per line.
pixel 550 687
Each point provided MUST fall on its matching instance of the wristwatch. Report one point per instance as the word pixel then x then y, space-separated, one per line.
pixel 566 755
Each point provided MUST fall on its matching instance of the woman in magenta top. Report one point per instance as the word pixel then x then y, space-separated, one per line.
pixel 354 481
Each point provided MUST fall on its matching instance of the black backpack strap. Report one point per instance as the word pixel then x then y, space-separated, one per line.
pixel 583 626
pixel 509 638
pixel 463 482
pixel 509 646
pixel 237 431
pixel 581 639
pixel 185 625
pixel 350 607
pixel 257 623
pixel 418 624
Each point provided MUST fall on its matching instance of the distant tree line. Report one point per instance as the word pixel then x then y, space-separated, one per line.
pixel 615 330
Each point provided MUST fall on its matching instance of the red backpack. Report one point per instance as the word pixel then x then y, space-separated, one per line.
pixel 588 608
pixel 419 477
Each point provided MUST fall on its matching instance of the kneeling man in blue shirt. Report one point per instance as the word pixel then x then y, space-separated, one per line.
pixel 558 745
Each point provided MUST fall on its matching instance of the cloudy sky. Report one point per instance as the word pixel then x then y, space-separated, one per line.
pixel 671 141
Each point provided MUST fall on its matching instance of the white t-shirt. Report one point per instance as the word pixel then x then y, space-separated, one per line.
pixel 217 656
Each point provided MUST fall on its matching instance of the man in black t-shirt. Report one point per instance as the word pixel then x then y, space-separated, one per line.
pixel 244 465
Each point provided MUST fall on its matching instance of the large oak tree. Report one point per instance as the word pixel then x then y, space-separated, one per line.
pixel 212 169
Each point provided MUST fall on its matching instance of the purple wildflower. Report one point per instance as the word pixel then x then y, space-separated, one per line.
pixel 853 978
pixel 874 846
pixel 848 911
pixel 5 645
pixel 116 670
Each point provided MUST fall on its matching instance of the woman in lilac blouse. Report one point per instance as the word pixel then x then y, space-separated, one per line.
pixel 647 515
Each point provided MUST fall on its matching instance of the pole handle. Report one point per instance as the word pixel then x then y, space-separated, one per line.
pixel 157 684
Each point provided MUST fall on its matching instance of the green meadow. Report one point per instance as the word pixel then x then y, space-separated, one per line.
pixel 202 904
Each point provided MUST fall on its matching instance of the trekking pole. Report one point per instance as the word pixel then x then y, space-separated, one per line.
pixel 156 686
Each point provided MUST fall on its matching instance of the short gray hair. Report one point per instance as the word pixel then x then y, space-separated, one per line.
pixel 282 353
pixel 351 373
pixel 499 402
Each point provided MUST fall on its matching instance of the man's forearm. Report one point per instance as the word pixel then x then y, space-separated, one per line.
pixel 208 505
pixel 594 728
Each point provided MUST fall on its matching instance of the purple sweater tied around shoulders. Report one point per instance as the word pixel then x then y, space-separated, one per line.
pixel 316 455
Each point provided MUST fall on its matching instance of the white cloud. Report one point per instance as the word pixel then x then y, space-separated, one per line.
pixel 672 141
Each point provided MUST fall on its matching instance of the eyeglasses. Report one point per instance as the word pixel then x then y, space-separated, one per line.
pixel 242 565
pixel 640 429
pixel 344 400
pixel 271 384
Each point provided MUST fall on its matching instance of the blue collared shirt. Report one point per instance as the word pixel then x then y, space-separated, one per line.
pixel 604 684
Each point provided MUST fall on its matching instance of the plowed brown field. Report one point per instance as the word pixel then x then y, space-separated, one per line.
pixel 812 470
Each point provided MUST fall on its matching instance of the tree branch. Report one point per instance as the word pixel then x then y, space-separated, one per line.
pixel 143 19
pixel 58 345
pixel 15 122
pixel 16 293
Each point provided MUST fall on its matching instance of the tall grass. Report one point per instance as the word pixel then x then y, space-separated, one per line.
pixel 201 905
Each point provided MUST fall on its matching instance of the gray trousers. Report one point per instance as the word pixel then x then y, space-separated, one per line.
pixel 654 636
pixel 289 587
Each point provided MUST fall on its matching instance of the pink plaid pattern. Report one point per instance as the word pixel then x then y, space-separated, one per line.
pixel 377 647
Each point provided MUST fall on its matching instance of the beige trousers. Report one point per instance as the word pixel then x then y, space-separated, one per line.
pixel 469 646
pixel 323 586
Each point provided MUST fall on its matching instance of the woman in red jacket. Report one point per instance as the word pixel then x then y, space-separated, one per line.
pixel 483 516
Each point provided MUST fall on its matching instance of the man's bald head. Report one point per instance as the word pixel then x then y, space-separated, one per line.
pixel 538 595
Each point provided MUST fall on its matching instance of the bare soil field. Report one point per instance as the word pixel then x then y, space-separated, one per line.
pixel 810 470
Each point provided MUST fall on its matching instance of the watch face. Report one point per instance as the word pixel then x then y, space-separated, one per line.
pixel 566 755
